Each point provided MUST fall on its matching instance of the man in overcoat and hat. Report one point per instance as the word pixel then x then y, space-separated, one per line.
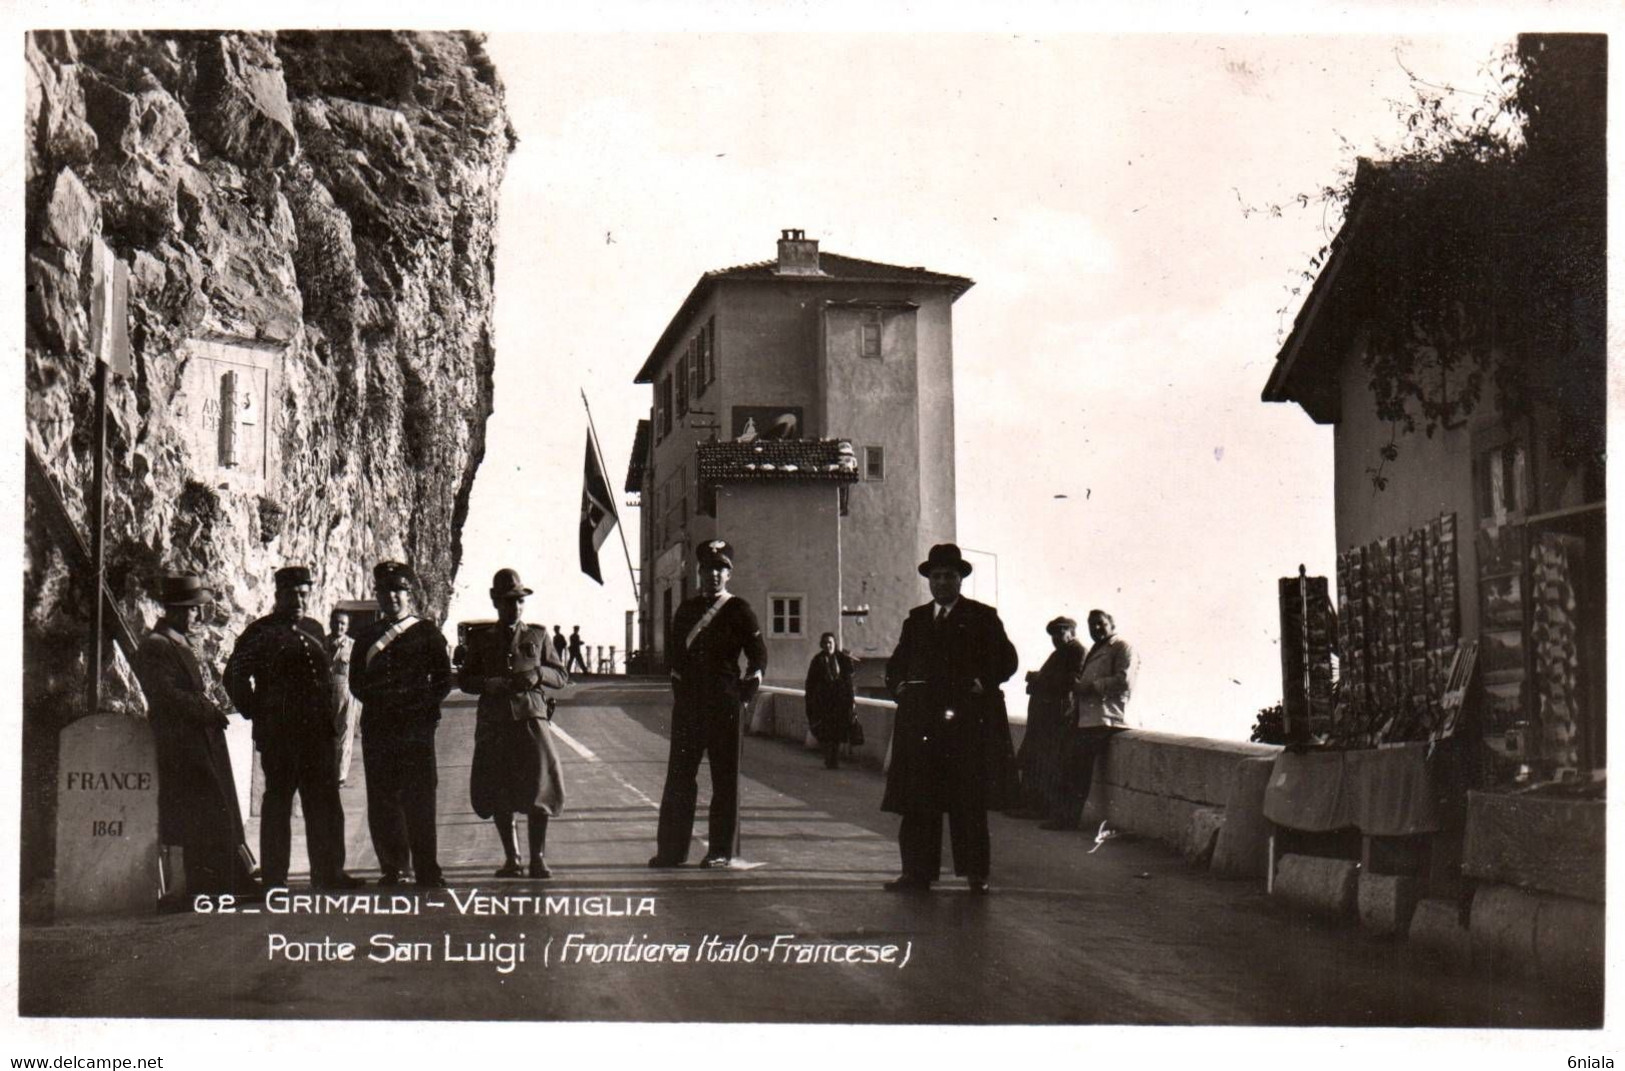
pixel 197 795
pixel 278 677
pixel 401 671
pixel 516 766
pixel 708 634
pixel 951 752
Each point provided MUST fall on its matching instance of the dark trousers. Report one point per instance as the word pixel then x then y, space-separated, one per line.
pixel 697 732
pixel 310 769
pixel 401 780
pixel 1082 749
pixel 577 660
pixel 832 753
pixel 919 839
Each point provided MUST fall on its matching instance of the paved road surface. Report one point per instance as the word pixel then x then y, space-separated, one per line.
pixel 1127 934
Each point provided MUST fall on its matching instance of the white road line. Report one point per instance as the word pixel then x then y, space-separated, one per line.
pixel 575 745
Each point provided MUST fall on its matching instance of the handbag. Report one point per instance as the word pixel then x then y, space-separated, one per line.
pixel 854 734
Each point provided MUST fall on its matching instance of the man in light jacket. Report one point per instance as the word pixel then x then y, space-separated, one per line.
pixel 1100 701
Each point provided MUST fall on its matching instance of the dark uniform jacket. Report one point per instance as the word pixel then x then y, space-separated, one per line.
pixel 522 658
pixel 279 677
pixel 706 675
pixel 967 761
pixel 401 687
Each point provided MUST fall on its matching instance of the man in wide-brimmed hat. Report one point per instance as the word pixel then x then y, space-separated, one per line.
pixel 516 766
pixel 197 795
pixel 708 634
pixel 401 671
pixel 279 677
pixel 951 751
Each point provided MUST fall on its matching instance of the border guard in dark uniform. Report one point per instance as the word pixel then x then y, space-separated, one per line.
pixel 197 795
pixel 708 634
pixel 401 671
pixel 951 750
pixel 278 677
pixel 516 767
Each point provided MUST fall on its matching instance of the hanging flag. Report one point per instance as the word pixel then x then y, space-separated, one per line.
pixel 109 308
pixel 597 513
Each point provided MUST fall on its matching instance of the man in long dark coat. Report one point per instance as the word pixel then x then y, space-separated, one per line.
pixel 708 634
pixel 401 671
pixel 197 795
pixel 1049 693
pixel 278 676
pixel 951 751
pixel 830 698
pixel 516 767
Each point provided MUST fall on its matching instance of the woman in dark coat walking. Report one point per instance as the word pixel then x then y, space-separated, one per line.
pixel 516 767
pixel 830 699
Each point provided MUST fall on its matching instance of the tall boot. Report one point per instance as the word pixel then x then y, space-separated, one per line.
pixel 510 851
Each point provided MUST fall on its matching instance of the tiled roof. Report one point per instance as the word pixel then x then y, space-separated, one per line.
pixel 778 459
pixel 833 268
pixel 640 459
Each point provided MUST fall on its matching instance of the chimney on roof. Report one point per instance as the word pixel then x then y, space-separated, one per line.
pixel 798 254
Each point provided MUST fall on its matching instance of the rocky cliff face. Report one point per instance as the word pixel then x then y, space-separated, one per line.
pixel 312 212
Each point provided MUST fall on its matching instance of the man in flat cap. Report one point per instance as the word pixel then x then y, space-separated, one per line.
pixel 197 795
pixel 1100 711
pixel 1049 692
pixel 401 672
pixel 951 750
pixel 516 767
pixel 278 677
pixel 708 634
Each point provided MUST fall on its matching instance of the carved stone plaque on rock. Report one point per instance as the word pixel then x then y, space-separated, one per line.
pixel 227 409
pixel 106 818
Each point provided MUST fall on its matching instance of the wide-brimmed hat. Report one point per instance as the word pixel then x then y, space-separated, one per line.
pixel 1059 623
pixel 945 556
pixel 292 576
pixel 506 585
pixel 393 576
pixel 183 590
pixel 715 552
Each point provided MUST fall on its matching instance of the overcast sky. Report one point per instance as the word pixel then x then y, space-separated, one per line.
pixel 1113 350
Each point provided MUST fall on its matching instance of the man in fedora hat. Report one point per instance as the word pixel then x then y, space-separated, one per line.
pixel 197 795
pixel 1049 692
pixel 516 767
pixel 278 676
pixel 951 751
pixel 708 634
pixel 401 672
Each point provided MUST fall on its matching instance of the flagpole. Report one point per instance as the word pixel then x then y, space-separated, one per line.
pixel 620 526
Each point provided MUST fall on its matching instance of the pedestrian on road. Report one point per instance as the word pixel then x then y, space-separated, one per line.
pixel 708 634
pixel 197 795
pixel 951 751
pixel 1048 706
pixel 1099 712
pixel 516 767
pixel 340 648
pixel 401 673
pixel 575 651
pixel 560 644
pixel 830 698
pixel 279 676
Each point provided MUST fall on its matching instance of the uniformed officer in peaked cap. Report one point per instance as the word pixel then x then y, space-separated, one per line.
pixel 708 634
pixel 278 678
pixel 400 670
pixel 516 767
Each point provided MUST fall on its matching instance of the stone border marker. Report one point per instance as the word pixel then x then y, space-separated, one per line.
pixel 106 818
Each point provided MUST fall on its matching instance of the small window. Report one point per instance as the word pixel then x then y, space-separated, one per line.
pixel 682 386
pixel 874 462
pixel 869 334
pixel 785 619
pixel 665 405
pixel 708 353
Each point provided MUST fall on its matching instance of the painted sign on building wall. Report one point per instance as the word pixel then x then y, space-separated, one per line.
pixel 753 422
